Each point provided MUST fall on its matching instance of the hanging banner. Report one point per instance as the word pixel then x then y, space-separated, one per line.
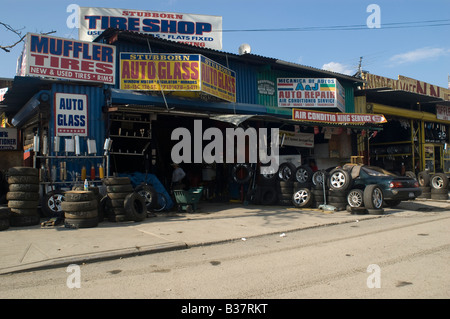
pixel 61 58
pixel 337 118
pixel 71 114
pixel 297 139
pixel 308 92
pixel 195 29
pixel 8 139
pixel 176 73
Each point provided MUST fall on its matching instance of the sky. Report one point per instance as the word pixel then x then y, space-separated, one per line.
pixel 398 37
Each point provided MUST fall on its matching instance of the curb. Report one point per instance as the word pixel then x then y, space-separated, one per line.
pixel 93 257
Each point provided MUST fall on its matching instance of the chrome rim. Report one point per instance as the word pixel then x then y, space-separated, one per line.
pixel 355 199
pixel 377 198
pixel 302 175
pixel 437 182
pixel 54 202
pixel 337 180
pixel 301 197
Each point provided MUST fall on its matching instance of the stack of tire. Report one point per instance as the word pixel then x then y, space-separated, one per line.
pixel 303 196
pixel 439 186
pixel 80 209
pixel 121 202
pixel 5 213
pixel 339 182
pixel 23 196
pixel 317 187
pixel 97 196
pixel 423 178
pixel 265 192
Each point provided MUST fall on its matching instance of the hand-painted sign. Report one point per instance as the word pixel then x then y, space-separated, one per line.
pixel 307 92
pixel 177 73
pixel 8 139
pixel 336 118
pixel 297 139
pixel 71 114
pixel 194 29
pixel 53 57
pixel 443 112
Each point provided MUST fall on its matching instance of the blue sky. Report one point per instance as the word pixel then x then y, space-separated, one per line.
pixel 418 51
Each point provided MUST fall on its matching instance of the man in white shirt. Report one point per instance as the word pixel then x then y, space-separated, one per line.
pixel 177 177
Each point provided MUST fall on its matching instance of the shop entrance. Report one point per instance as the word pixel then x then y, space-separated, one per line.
pixel 434 162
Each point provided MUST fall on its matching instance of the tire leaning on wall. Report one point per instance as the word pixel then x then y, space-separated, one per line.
pixel 80 209
pixel 23 196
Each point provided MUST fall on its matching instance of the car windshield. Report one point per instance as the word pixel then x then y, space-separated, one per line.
pixel 377 171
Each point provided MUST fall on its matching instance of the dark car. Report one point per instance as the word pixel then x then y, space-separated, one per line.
pixel 372 187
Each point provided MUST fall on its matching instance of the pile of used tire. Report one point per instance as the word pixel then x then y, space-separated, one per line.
pixel 23 196
pixel 80 209
pixel 439 186
pixel 423 178
pixel 5 213
pixel 339 182
pixel 121 202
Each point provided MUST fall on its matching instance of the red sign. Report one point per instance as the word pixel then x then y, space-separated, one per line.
pixel 337 118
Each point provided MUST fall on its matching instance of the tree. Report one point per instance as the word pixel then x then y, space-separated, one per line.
pixel 18 32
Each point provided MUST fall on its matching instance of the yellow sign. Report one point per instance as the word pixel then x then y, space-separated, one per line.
pixel 176 73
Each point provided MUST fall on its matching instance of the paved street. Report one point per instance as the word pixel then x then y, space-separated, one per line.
pixel 406 253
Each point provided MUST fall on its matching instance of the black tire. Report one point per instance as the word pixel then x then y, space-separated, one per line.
pixel 24 211
pixel 373 197
pixel 79 206
pixel 80 222
pixel 118 202
pixel 267 178
pixel 79 196
pixel 23 171
pixel 135 207
pixel 148 193
pixel 268 196
pixel 22 196
pixel 254 196
pixel 242 173
pixel 105 207
pixel 303 175
pixel 439 196
pixel 338 199
pixel 425 189
pixel 22 179
pixel 4 224
pixel 425 196
pixel 24 188
pixel 318 178
pixel 119 188
pixel 23 204
pixel 51 204
pixel 285 202
pixel 5 212
pixel 339 179
pixel 423 178
pixel 117 218
pixel 117 181
pixel 82 214
pixel 286 172
pixel 22 220
pixel 302 198
pixel 439 191
pixel 411 174
pixel 357 210
pixel 355 198
pixel 439 181
pixel 114 196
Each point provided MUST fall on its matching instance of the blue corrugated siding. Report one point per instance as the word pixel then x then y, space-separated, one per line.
pixel 96 127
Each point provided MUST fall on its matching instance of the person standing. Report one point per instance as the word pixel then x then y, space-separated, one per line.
pixel 178 175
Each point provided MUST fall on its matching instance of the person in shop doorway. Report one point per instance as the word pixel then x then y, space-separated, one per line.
pixel 312 165
pixel 178 175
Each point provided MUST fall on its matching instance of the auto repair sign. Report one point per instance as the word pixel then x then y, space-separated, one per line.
pixel 53 57
pixel 198 30
pixel 71 114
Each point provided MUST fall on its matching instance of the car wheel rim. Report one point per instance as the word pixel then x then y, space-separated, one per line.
pixel 285 174
pixel 337 180
pixel 355 199
pixel 437 182
pixel 301 197
pixel 302 175
pixel 147 196
pixel 377 198
pixel 54 202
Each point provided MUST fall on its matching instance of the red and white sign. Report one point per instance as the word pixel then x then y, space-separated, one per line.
pixel 337 118
pixel 443 112
pixel 61 58
pixel 71 114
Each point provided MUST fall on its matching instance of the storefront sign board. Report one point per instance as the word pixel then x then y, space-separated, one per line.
pixel 8 139
pixel 71 114
pixel 443 112
pixel 297 139
pixel 336 118
pixel 176 73
pixel 310 93
pixel 53 57
pixel 195 29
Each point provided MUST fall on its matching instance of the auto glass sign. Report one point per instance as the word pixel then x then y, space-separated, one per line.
pixel 310 93
pixel 194 29
pixel 71 114
pixel 53 57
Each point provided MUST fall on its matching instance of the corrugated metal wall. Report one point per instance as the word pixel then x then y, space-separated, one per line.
pixel 96 127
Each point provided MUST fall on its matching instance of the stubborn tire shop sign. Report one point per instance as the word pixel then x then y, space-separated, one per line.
pixel 71 114
pixel 8 139
pixel 61 58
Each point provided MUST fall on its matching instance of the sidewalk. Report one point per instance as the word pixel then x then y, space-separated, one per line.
pixel 33 247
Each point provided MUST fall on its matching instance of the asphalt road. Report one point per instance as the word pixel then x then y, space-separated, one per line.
pixel 402 255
